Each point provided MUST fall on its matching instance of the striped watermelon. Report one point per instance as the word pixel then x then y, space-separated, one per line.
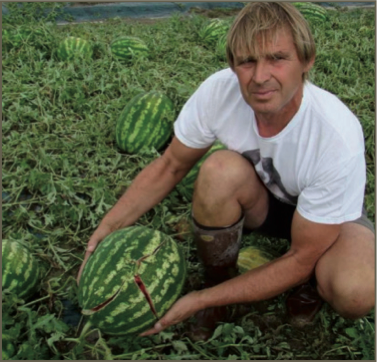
pixel 127 48
pixel 251 257
pixel 20 270
pixel 146 121
pixel 210 33
pixel 8 350
pixel 186 186
pixel 311 11
pixel 131 280
pixel 72 47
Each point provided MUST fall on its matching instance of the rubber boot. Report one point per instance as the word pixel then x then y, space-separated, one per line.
pixel 303 304
pixel 218 251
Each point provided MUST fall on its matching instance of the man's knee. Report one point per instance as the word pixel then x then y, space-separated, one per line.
pixel 225 170
pixel 350 298
pixel 226 164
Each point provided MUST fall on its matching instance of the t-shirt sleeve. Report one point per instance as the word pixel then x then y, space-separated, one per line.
pixel 193 125
pixel 336 194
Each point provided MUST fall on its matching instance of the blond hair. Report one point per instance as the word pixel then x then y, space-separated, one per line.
pixel 259 22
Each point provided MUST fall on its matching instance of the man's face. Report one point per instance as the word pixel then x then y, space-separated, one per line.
pixel 272 83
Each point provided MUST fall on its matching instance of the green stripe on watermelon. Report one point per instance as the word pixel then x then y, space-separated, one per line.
pixel 186 186
pixel 211 32
pixel 73 47
pixel 116 304
pixel 127 47
pixel 312 11
pixel 146 121
pixel 20 270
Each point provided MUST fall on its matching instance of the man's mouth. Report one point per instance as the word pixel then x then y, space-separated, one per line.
pixel 263 93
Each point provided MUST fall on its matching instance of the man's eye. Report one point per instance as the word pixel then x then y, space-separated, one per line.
pixel 278 57
pixel 247 61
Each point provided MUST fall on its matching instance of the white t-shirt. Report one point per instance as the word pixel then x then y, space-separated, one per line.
pixel 316 162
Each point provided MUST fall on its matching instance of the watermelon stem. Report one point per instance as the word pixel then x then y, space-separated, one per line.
pixel 36 301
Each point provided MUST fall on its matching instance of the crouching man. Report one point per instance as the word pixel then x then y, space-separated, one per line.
pixel 294 169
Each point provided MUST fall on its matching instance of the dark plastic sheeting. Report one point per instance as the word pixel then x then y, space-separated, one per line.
pixel 154 9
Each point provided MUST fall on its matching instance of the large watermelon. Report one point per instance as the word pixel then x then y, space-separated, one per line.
pixel 252 257
pixel 131 280
pixel 8 350
pixel 186 186
pixel 20 270
pixel 72 47
pixel 211 32
pixel 311 11
pixel 128 47
pixel 146 121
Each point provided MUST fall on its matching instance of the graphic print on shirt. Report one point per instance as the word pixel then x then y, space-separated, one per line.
pixel 269 176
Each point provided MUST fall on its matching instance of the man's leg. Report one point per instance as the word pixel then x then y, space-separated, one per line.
pixel 228 186
pixel 346 272
pixel 227 192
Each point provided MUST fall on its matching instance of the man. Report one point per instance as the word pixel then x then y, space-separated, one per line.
pixel 295 169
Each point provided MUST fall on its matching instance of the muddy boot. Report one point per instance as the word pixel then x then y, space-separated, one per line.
pixel 303 304
pixel 218 251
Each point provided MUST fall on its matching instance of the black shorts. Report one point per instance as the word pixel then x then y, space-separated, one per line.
pixel 279 220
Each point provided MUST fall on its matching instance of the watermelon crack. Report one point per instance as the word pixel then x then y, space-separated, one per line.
pixel 143 289
pixel 101 305
pixel 148 255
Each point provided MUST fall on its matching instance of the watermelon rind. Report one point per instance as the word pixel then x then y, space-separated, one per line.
pixel 211 32
pixel 73 47
pixel 252 257
pixel 127 48
pixel 20 270
pixel 110 275
pixel 146 122
pixel 186 186
pixel 312 12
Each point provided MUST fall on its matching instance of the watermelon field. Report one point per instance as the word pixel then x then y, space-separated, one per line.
pixel 63 169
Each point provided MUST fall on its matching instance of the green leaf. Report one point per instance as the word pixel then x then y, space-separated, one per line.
pixel 352 332
pixel 179 346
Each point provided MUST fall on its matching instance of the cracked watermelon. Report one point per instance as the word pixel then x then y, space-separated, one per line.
pixel 131 280
pixel 73 47
pixel 128 47
pixel 146 121
pixel 20 270
pixel 186 186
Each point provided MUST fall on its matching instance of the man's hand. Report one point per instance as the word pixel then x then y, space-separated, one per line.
pixel 96 238
pixel 184 308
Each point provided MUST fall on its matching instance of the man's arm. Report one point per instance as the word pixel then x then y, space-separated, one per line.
pixel 309 241
pixel 151 186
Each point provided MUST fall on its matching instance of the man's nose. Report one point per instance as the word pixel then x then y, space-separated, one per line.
pixel 261 72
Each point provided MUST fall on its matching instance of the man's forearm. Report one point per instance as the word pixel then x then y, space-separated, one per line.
pixel 151 186
pixel 259 284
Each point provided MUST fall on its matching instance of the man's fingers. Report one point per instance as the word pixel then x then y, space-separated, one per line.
pixel 89 250
pixel 156 329
pixel 96 238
